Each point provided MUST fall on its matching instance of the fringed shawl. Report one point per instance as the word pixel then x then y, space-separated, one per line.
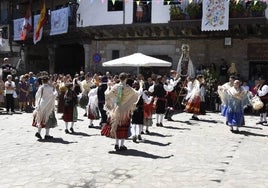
pixel 119 111
pixel 45 103
pixel 93 100
pixel 196 89
pixel 222 91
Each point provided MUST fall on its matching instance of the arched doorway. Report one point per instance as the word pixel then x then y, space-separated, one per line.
pixel 69 59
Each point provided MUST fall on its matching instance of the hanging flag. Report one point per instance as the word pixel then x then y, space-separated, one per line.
pixel 41 22
pixel 215 15
pixel 27 23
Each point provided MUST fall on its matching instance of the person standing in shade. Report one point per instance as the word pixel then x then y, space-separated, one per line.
pixel 44 113
pixel 120 101
pixel 10 88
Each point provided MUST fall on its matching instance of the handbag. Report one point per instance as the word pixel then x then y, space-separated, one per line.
pixel 15 95
pixel 256 103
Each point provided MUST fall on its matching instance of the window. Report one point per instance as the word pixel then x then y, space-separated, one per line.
pixel 116 6
pixel 172 2
pixel 115 54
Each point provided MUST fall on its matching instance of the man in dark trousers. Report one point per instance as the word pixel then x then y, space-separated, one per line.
pixel 101 100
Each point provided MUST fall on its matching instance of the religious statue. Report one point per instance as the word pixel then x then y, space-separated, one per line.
pixel 185 66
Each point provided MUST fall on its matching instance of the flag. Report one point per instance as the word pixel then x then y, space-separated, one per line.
pixel 41 22
pixel 27 24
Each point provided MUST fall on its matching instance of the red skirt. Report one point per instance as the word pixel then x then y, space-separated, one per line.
pixel 122 132
pixel 193 105
pixel 148 110
pixel 34 123
pixel 92 115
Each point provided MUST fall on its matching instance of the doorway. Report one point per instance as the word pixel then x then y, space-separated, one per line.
pixel 257 69
pixel 69 59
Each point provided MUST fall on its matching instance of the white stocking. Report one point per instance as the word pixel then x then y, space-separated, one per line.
pixel 66 125
pixel 122 142
pixel 161 118
pixel 47 131
pixel 157 118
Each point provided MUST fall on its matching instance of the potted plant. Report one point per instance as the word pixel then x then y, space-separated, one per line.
pixel 176 13
pixel 257 8
pixel 194 10
pixel 237 9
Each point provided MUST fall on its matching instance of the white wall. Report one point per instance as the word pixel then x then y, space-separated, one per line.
pixel 94 13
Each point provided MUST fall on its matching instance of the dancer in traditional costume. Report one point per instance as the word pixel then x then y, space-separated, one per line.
pixel 236 100
pixel 138 114
pixel 92 106
pixel 101 99
pixel 263 94
pixel 44 113
pixel 148 113
pixel 222 93
pixel 193 104
pixel 120 102
pixel 70 107
pixel 159 91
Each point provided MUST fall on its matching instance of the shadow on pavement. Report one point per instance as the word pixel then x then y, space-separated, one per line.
pixel 252 127
pixel 158 134
pixel 94 127
pixel 178 128
pixel 206 120
pixel 56 140
pixel 185 122
pixel 247 133
pixel 79 134
pixel 155 143
pixel 136 153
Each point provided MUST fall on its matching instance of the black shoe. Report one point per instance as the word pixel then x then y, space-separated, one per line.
pixel 48 137
pixel 91 125
pixel 147 132
pixel 38 135
pixel 170 119
pixel 67 131
pixel 195 118
pixel 259 123
pixel 85 115
pixel 142 132
pixel 161 124
pixel 139 137
pixel 72 130
pixel 116 147
pixel 158 124
pixel 134 139
pixel 235 131
pixel 123 148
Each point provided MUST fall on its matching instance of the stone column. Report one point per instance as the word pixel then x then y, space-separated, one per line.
pixel 88 64
pixel 51 58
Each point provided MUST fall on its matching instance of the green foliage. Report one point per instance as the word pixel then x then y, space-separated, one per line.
pixel 175 10
pixel 194 10
pixel 258 6
pixel 238 7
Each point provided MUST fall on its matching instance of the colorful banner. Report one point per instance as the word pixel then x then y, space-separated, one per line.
pixel 38 32
pixel 59 21
pixel 27 23
pixel 215 15
pixel 17 25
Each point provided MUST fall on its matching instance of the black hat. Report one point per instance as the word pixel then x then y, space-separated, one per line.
pixel 104 79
